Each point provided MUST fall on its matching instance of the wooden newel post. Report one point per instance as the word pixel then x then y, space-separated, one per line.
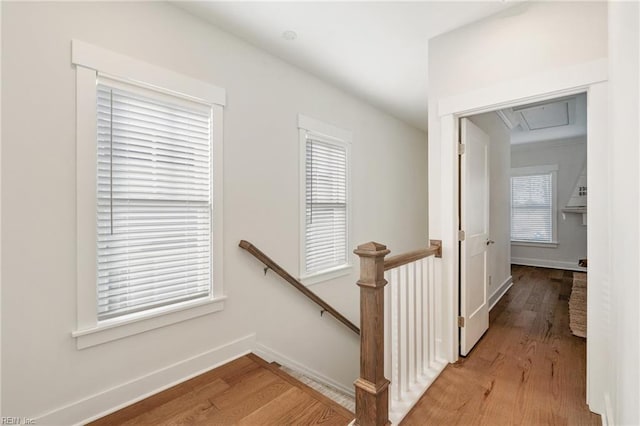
pixel 372 394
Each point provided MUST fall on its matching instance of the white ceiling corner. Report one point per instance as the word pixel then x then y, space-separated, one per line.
pixel 374 50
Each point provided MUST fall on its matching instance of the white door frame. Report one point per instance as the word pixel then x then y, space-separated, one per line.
pixel 590 77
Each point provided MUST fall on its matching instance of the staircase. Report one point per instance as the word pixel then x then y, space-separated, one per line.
pixel 346 400
pixel 397 340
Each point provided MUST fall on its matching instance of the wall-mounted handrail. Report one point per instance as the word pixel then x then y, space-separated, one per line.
pixel 435 248
pixel 269 263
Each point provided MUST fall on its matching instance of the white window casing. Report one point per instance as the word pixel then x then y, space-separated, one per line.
pixel 149 196
pixel 325 201
pixel 534 206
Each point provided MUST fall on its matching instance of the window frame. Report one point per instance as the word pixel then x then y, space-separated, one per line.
pixel 333 135
pixel 91 61
pixel 537 171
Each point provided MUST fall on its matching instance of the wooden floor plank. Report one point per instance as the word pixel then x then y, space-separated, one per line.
pixel 282 410
pixel 246 391
pixel 528 369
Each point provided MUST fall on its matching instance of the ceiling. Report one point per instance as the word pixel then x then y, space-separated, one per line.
pixel 374 50
pixel 560 118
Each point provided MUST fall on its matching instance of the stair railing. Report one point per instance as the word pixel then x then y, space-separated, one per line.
pixel 270 264
pixel 397 334
pixel 397 339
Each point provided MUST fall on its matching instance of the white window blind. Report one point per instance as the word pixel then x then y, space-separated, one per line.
pixel 326 205
pixel 154 195
pixel 532 208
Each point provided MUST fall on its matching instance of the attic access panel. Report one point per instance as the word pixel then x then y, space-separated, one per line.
pixel 544 116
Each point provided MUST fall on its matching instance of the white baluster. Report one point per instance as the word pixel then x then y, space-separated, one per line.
pixel 419 318
pixel 411 323
pixel 403 337
pixel 431 283
pixel 394 283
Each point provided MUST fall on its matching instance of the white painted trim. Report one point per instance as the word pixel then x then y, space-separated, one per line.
pixel 308 126
pixel 548 263
pixel 551 169
pixel 86 200
pixel 107 331
pixel 598 245
pixel 398 409
pixel 110 400
pixel 587 77
pixel 500 291
pixel 217 202
pixel 143 73
pixel 534 170
pixel 89 332
pixel 321 128
pixel 607 416
pixel 539 87
pixel 450 258
pixel 271 355
pixel 329 274
pixel 555 143
pixel 552 244
pixel 0 211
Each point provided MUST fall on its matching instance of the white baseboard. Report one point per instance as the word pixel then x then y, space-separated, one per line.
pixel 545 263
pixel 108 401
pixel 270 355
pixel 500 291
pixel 607 417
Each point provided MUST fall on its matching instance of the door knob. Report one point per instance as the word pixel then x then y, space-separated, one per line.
pixel 490 242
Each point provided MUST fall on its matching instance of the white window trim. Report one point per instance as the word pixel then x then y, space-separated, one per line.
pixel 540 170
pixel 323 131
pixel 89 61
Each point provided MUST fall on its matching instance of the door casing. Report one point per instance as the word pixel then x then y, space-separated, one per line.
pixel 590 78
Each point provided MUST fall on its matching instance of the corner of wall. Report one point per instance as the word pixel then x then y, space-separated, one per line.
pixel 500 291
pixel 270 355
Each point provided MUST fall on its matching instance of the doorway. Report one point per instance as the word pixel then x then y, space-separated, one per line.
pixel 535 197
pixel 590 78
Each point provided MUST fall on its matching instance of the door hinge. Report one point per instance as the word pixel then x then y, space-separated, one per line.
pixel 460 322
pixel 461 235
pixel 460 148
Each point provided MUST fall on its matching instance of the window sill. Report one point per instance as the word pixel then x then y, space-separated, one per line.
pixel 329 274
pixel 107 331
pixel 552 244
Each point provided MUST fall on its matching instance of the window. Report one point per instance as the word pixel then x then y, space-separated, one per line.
pixel 154 199
pixel 149 196
pixel 533 210
pixel 325 201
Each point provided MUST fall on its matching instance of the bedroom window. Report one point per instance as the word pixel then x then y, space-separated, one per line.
pixel 533 205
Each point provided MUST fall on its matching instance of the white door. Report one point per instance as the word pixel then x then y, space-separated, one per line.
pixel 474 221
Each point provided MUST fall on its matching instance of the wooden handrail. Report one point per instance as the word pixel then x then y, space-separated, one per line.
pixel 435 248
pixel 269 263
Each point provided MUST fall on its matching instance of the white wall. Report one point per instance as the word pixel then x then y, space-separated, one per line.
pixel 570 155
pixel 623 329
pixel 527 39
pixel 499 262
pixel 42 369
pixel 531 48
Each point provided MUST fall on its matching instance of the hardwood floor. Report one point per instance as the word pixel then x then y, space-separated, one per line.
pixel 247 391
pixel 528 369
